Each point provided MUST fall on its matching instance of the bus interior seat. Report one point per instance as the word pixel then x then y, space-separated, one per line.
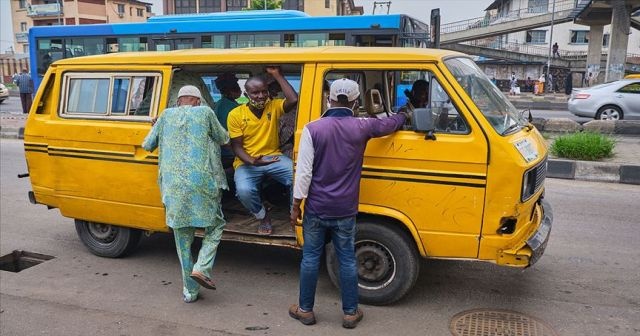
pixel 373 103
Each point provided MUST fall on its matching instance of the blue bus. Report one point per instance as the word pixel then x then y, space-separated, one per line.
pixel 284 28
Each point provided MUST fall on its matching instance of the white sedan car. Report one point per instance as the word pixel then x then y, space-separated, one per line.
pixel 4 93
pixel 611 101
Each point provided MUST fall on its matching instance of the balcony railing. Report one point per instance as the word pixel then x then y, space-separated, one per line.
pixel 53 9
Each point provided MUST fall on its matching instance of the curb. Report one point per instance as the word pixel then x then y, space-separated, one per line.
pixel 566 125
pixel 12 133
pixel 593 171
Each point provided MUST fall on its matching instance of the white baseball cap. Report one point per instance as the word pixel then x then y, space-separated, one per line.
pixel 189 90
pixel 346 87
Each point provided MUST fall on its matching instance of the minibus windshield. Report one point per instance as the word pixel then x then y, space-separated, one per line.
pixel 498 110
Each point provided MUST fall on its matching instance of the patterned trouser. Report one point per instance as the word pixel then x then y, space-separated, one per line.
pixel 184 238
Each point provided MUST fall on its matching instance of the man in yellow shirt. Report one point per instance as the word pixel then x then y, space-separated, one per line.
pixel 253 129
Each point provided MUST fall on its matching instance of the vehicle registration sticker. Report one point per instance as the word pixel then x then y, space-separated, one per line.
pixel 527 149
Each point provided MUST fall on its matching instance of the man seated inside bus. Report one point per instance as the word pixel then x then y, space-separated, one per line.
pixel 253 129
pixel 227 84
pixel 418 96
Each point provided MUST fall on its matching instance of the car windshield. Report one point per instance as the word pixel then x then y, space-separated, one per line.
pixel 498 110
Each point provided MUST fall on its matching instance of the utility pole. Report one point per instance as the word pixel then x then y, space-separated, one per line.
pixel 553 15
pixel 381 3
pixel 265 4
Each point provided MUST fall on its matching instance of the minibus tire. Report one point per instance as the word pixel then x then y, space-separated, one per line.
pixel 378 244
pixel 107 240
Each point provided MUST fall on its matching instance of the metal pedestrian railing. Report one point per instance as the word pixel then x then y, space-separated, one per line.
pixel 504 17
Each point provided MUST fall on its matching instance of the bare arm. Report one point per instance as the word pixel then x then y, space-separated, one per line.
pixel 289 93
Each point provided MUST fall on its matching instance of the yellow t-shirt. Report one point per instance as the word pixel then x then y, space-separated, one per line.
pixel 260 136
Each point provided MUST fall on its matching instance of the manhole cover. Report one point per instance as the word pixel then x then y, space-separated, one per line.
pixel 492 322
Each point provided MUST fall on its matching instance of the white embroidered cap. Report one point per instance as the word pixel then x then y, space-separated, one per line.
pixel 189 90
pixel 346 87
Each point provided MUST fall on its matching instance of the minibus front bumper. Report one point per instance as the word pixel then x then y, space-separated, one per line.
pixel 530 251
pixel 538 241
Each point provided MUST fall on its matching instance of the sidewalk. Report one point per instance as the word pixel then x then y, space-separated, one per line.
pixel 548 101
pixel 623 167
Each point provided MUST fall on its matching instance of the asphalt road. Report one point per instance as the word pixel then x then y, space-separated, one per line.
pixel 11 105
pixel 585 284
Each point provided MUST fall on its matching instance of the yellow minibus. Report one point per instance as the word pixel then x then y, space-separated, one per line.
pixel 464 179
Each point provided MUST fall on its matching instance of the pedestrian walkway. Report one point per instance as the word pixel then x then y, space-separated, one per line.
pixel 623 167
pixel 547 101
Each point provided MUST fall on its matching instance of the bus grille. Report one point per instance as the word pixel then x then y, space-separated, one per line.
pixel 534 179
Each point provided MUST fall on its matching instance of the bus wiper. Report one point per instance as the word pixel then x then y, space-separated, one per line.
pixel 510 128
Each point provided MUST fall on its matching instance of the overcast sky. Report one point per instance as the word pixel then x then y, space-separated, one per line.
pixel 451 10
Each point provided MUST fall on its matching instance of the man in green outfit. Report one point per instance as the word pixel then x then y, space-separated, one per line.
pixel 191 178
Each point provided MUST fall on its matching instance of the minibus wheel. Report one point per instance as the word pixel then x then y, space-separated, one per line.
pixel 107 240
pixel 387 263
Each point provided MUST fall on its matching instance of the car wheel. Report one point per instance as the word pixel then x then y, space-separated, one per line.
pixel 107 240
pixel 387 262
pixel 609 112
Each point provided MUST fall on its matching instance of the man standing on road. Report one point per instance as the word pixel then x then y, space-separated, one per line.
pixel 328 177
pixel 191 178
pixel 25 84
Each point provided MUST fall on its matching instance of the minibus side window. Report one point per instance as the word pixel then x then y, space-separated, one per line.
pixel 119 96
pixel 86 95
pixel 106 95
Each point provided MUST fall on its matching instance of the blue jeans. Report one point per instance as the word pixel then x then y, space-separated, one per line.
pixel 343 233
pixel 249 178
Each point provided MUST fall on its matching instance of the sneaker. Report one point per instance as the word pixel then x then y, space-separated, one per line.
pixel 351 321
pixel 306 318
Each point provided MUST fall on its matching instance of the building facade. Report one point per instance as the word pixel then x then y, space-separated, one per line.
pixel 29 13
pixel 311 7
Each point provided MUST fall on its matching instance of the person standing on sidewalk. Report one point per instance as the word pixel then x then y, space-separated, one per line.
pixel 191 180
pixel 25 84
pixel 328 177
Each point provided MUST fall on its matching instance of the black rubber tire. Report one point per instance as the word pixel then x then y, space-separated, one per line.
pixel 106 240
pixel 609 107
pixel 387 261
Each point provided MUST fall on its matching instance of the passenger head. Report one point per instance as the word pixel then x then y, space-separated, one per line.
pixel 189 95
pixel 344 93
pixel 419 93
pixel 257 91
pixel 227 84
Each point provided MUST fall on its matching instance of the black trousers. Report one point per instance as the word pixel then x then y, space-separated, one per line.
pixel 25 99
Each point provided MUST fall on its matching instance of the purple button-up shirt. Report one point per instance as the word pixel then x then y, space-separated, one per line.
pixel 330 160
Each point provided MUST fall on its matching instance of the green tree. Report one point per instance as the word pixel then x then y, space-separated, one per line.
pixel 259 4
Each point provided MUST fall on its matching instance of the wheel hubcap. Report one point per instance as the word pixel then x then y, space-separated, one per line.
pixel 103 233
pixel 376 266
pixel 609 114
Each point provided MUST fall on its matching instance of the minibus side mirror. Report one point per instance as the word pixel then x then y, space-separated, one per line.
pixel 423 121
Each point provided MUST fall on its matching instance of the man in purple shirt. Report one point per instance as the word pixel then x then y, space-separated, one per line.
pixel 328 177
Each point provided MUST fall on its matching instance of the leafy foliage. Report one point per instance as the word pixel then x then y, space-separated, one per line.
pixel 271 4
pixel 583 146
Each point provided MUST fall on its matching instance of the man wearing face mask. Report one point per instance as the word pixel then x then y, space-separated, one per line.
pixel 328 177
pixel 253 129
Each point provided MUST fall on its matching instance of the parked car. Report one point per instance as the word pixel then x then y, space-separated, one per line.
pixel 4 93
pixel 610 101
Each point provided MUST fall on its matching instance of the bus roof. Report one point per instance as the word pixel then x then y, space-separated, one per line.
pixel 231 15
pixel 267 55
pixel 170 27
